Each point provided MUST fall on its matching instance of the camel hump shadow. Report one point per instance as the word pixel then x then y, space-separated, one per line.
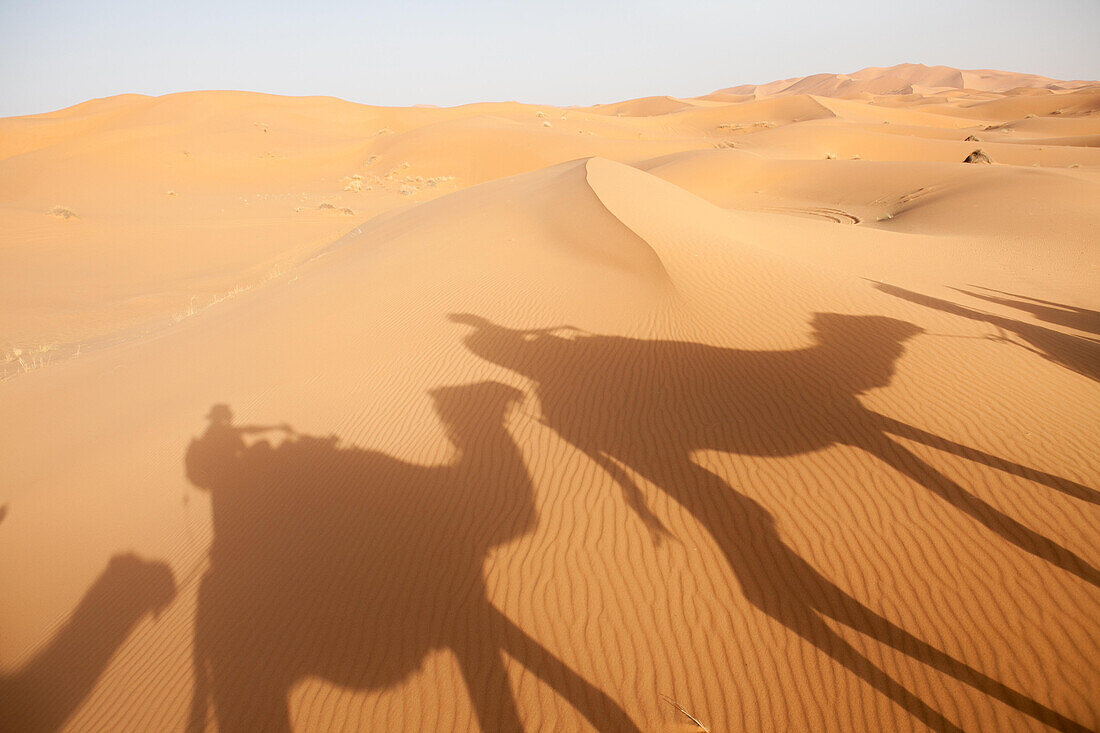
pixel 643 407
pixel 353 566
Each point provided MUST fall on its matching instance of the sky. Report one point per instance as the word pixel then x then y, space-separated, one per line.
pixel 55 53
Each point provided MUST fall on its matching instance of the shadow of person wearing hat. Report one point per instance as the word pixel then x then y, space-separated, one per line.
pixel 221 446
pixel 352 566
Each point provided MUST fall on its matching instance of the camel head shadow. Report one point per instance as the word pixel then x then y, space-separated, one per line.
pixel 352 566
pixel 46 691
pixel 639 407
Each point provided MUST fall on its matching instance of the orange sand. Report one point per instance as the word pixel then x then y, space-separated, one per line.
pixel 761 408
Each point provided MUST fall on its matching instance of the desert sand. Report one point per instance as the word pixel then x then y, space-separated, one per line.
pixel 755 411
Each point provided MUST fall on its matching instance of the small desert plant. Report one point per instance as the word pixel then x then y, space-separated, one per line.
pixel 62 213
pixel 978 156
pixel 737 126
pixel 354 183
pixel 31 357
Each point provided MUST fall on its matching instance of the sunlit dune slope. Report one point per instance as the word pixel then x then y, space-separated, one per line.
pixel 633 419
pixel 127 214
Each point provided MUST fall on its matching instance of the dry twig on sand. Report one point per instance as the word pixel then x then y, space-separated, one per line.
pixel 681 708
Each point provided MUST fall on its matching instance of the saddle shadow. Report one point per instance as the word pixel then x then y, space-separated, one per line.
pixel 48 689
pixel 352 566
pixel 648 405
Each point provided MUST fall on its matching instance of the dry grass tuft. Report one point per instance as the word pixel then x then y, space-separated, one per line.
pixel 684 711
pixel 62 213
pixel 978 156
pixel 746 126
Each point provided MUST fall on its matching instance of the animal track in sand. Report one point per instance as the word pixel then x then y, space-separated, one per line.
pixel 905 198
pixel 837 216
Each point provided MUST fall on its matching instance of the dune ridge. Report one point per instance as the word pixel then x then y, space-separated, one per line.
pixel 753 412
pixel 904 79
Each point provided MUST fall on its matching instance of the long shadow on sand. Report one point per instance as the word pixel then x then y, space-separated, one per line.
pixel 1061 314
pixel 1079 353
pixel 352 566
pixel 649 404
pixel 48 689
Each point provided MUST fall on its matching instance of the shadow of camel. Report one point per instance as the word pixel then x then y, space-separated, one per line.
pixel 649 404
pixel 1061 314
pixel 353 566
pixel 1077 353
pixel 47 690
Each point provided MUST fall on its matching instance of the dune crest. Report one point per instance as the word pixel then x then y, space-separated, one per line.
pixel 755 411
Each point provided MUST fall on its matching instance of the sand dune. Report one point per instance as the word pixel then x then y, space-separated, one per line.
pixel 905 79
pixel 751 408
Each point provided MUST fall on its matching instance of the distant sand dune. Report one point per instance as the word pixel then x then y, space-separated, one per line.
pixel 756 411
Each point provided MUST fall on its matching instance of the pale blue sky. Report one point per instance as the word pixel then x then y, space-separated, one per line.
pixel 54 53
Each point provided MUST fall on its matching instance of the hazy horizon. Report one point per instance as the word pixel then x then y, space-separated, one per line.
pixel 56 54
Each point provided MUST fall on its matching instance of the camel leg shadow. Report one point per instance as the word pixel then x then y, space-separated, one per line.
pixel 780 583
pixel 906 462
pixel 1065 486
pixel 247 694
pixel 595 705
